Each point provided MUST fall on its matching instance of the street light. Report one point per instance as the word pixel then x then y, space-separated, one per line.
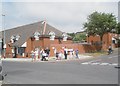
pixel 3 27
pixel 0 46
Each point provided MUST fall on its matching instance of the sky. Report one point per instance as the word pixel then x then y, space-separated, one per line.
pixel 65 15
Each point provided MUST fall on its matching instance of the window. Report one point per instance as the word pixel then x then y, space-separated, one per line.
pixel 113 41
pixel 17 37
pixel 65 36
pixel 21 50
pixel 36 35
pixel 14 38
pixel 52 35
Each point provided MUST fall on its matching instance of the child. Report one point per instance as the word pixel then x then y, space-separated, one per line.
pixel 33 55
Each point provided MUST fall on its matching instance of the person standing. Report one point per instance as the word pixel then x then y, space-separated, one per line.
pixel 76 53
pixel 36 53
pixel 40 53
pixel 55 51
pixel 60 55
pixel 33 55
pixel 109 49
pixel 71 53
pixel 47 51
pixel 65 52
pixel 44 55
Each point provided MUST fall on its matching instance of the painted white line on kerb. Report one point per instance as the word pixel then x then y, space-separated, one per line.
pixel 95 63
pixel 104 63
pixel 85 63
pixel 115 64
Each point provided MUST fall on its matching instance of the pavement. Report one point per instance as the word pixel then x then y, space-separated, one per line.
pixel 81 57
pixel 49 59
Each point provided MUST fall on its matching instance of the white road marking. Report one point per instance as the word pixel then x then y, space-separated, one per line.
pixel 97 63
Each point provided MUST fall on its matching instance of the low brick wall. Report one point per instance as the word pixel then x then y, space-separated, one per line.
pixel 83 48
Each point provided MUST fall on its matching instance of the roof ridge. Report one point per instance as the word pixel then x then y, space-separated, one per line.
pixel 17 27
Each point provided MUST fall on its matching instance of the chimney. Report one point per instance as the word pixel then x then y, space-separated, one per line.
pixel 44 22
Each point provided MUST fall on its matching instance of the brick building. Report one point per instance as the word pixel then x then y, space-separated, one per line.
pixel 108 39
pixel 22 40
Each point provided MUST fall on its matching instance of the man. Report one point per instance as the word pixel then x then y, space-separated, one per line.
pixel 65 52
pixel 76 53
pixel 109 49
pixel 47 51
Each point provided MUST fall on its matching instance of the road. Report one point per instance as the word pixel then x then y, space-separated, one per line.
pixel 99 70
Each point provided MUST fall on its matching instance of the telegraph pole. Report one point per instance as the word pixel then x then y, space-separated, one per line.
pixel 3 27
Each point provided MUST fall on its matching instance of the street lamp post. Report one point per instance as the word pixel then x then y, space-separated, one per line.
pixel 0 48
pixel 3 27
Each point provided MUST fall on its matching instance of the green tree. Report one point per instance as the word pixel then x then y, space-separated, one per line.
pixel 71 34
pixel 118 28
pixel 77 37
pixel 118 32
pixel 100 23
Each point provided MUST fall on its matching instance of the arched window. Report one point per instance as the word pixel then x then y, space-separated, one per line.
pixel 52 35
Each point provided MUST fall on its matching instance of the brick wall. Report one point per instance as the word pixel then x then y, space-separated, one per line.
pixel 58 44
pixel 43 43
pixel 83 48
pixel 107 40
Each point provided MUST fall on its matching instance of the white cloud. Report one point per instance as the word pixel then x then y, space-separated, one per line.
pixel 60 0
pixel 66 16
pixel 0 16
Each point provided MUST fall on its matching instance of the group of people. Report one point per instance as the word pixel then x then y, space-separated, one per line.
pixel 42 54
pixel 64 52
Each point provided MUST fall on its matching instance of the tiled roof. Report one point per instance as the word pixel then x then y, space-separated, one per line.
pixel 27 31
